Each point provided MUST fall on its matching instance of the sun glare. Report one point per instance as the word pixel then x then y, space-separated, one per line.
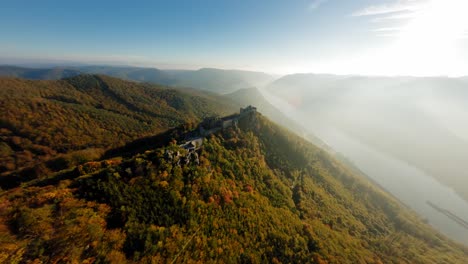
pixel 429 43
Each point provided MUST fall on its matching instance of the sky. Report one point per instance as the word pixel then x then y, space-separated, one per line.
pixel 374 37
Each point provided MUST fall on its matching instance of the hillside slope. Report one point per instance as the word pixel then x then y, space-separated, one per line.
pixel 42 119
pixel 252 96
pixel 258 194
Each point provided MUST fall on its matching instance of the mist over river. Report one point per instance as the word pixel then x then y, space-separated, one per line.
pixel 409 184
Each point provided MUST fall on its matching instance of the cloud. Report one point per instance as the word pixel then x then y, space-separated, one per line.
pixel 316 4
pixel 388 35
pixel 394 15
pixel 395 7
pixel 386 29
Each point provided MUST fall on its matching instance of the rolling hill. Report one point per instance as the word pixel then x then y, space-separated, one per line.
pixel 138 74
pixel 214 80
pixel 220 81
pixel 258 194
pixel 87 114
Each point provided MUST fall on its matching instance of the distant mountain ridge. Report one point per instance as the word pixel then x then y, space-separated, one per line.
pixel 38 73
pixel 151 75
pixel 221 81
pixel 210 79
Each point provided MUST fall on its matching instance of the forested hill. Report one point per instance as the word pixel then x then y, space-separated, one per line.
pixel 258 194
pixel 83 115
pixel 220 81
pixel 208 79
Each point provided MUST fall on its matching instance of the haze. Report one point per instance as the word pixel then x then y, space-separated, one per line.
pixel 381 83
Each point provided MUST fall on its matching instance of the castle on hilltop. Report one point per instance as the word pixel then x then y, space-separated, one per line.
pixel 207 127
pixel 248 109
pixel 211 125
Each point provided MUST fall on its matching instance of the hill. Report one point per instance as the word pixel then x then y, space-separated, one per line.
pixel 221 81
pixel 252 96
pixel 214 80
pixel 87 114
pixel 257 194
pixel 138 74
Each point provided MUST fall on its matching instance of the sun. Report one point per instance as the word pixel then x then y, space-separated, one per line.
pixel 429 43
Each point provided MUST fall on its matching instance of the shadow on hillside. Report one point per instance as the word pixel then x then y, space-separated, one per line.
pixel 128 150
pixel 142 144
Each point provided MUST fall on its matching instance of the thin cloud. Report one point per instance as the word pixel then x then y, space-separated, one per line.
pixel 395 12
pixel 384 9
pixel 387 35
pixel 386 29
pixel 316 4
pixel 393 17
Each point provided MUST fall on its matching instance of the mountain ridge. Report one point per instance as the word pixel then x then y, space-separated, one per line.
pixel 210 79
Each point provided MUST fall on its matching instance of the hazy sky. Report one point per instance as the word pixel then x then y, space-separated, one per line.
pixel 409 37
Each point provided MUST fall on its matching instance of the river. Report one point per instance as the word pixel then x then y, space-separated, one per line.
pixel 409 184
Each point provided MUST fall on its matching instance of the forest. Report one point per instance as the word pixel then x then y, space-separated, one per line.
pixel 50 125
pixel 260 194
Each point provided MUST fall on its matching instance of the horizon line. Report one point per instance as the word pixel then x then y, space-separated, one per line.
pixel 61 63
